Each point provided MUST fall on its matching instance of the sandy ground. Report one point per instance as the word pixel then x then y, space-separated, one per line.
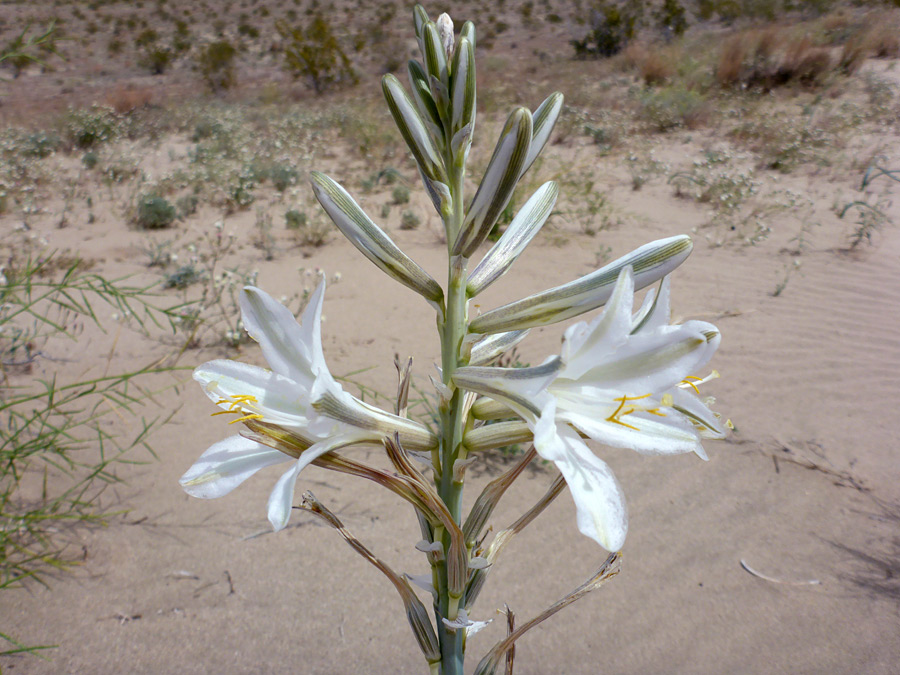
pixel 809 377
pixel 779 555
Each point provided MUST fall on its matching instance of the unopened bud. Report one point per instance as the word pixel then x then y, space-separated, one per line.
pixel 445 32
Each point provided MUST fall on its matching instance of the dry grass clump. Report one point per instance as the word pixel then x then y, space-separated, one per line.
pixel 878 37
pixel 125 99
pixel 655 65
pixel 771 57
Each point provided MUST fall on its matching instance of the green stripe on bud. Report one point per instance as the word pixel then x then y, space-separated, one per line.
pixel 544 120
pixel 435 56
pixel 498 183
pixel 521 231
pixel 463 86
pixel 370 239
pixel 412 128
pixel 467 32
pixel 421 93
pixel 650 263
pixel 420 18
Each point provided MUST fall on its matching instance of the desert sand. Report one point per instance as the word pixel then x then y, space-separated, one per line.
pixel 778 555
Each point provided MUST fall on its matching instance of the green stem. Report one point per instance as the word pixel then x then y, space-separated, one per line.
pixel 453 423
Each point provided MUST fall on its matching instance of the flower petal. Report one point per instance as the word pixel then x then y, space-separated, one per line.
pixel 641 432
pixel 226 465
pixel 253 390
pixel 585 345
pixel 292 350
pixel 281 500
pixel 649 362
pixel 598 498
pixel 655 311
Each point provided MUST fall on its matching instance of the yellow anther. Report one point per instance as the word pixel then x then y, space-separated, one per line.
pixel 251 416
pixel 237 405
pixel 667 401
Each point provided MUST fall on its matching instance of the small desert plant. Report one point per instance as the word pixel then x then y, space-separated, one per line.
pixel 870 217
pixel 409 221
pixel 612 28
pixel 56 434
pixel 400 194
pixel 295 220
pixel 154 213
pixel 156 59
pixel 283 177
pixel 216 64
pixel 41 144
pixel 186 205
pixel 25 49
pixel 670 17
pixel 769 58
pixel 263 238
pixel 90 127
pixel 90 160
pixel 667 108
pixel 316 55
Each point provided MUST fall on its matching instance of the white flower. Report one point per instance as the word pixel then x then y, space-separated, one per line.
pixel 297 399
pixel 621 380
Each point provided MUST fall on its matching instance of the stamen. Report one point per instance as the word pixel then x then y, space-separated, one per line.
pixel 693 381
pixel 251 416
pixel 621 410
pixel 238 405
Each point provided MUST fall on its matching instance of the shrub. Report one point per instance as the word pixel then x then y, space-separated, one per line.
pixel 154 213
pixel 409 221
pixel 126 99
pixel 216 63
pixel 315 54
pixel 155 59
pixel 248 30
pixel 90 160
pixel 206 128
pixel 770 58
pixel 283 177
pixel 400 194
pixel 90 127
pixel 672 107
pixel 670 17
pixel 295 220
pixel 40 144
pixel 186 205
pixel 611 29
pixel 181 41
pixel 146 38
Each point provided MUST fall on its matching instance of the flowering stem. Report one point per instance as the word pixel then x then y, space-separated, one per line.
pixel 453 424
